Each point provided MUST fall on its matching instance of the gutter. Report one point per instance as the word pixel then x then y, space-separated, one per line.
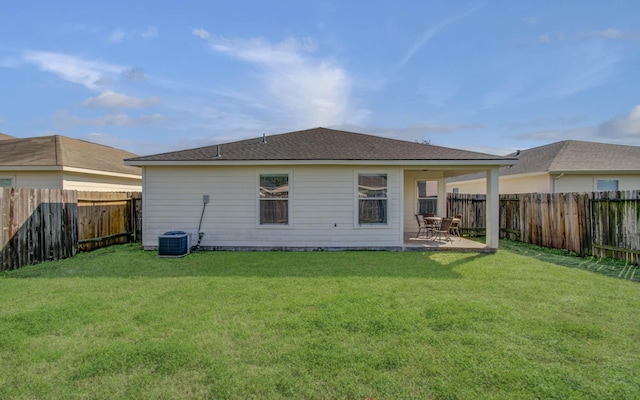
pixel 555 179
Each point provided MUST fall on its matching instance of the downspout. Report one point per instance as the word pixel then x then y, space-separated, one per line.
pixel 555 180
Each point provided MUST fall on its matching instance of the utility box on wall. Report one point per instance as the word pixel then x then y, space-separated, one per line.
pixel 173 244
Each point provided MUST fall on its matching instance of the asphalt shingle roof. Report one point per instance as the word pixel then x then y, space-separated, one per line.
pixel 59 150
pixel 319 144
pixel 570 156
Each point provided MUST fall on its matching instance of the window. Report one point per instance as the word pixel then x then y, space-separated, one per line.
pixel 427 197
pixel 6 182
pixel 274 199
pixel 456 190
pixel 607 185
pixel 372 198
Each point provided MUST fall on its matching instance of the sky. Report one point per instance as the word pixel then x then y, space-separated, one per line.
pixel 157 76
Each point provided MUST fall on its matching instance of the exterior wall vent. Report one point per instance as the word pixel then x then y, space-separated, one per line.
pixel 173 244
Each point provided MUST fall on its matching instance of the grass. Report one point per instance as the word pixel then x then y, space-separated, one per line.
pixel 121 323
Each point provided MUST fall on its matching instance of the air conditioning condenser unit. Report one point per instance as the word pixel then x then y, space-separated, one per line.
pixel 173 244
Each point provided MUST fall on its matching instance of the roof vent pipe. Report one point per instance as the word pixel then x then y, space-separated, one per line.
pixel 218 151
pixel 264 138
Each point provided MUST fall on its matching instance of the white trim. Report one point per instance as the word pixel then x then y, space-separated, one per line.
pixel 401 233
pixel 289 173
pixel 145 206
pixel 442 197
pixel 415 193
pixel 598 172
pixel 99 172
pixel 492 208
pixel 30 168
pixel 597 179
pixel 66 169
pixel 356 198
pixel 12 178
pixel 450 164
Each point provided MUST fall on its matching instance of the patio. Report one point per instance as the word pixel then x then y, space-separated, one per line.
pixel 422 243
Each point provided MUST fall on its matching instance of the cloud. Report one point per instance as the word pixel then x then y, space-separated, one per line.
pixel 311 91
pixel 116 36
pixel 620 130
pixel 586 67
pixel 201 33
pixel 134 74
pixel 94 75
pixel 139 147
pixel 613 34
pixel 505 91
pixel 149 33
pixel 119 120
pixel 567 69
pixel 431 32
pixel 546 38
pixel 551 38
pixel 622 127
pixel 9 62
pixel 437 92
pixel 119 35
pixel 289 51
pixel 531 20
pixel 111 99
pixel 411 132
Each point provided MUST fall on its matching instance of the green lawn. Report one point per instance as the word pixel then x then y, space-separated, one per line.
pixel 121 323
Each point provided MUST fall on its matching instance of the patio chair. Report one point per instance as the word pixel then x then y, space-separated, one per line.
pixel 455 226
pixel 422 227
pixel 443 230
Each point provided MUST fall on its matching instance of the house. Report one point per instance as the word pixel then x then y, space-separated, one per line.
pixel 311 189
pixel 566 166
pixel 59 162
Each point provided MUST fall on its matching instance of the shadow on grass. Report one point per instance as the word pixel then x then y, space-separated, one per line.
pixel 563 258
pixel 130 261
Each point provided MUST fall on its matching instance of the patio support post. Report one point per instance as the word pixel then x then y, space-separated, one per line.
pixel 492 204
pixel 442 197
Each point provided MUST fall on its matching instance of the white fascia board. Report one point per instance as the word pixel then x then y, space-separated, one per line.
pixel 597 172
pixel 434 163
pixel 103 173
pixel 30 168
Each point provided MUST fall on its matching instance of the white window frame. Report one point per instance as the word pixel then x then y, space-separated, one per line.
pixel 416 198
pixel 617 181
pixel 289 224
pixel 356 202
pixel 12 180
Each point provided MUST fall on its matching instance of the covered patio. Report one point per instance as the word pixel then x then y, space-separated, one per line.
pixel 424 191
pixel 423 243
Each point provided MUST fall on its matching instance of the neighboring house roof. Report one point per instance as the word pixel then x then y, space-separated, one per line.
pixel 4 136
pixel 317 144
pixel 570 156
pixel 62 151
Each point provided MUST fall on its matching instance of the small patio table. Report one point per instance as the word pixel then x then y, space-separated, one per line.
pixel 432 224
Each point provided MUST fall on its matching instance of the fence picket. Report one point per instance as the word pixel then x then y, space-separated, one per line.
pixel 44 224
pixel 588 224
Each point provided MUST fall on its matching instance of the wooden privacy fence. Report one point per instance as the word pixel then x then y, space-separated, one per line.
pixel 106 218
pixel 47 224
pixel 37 225
pixel 588 224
